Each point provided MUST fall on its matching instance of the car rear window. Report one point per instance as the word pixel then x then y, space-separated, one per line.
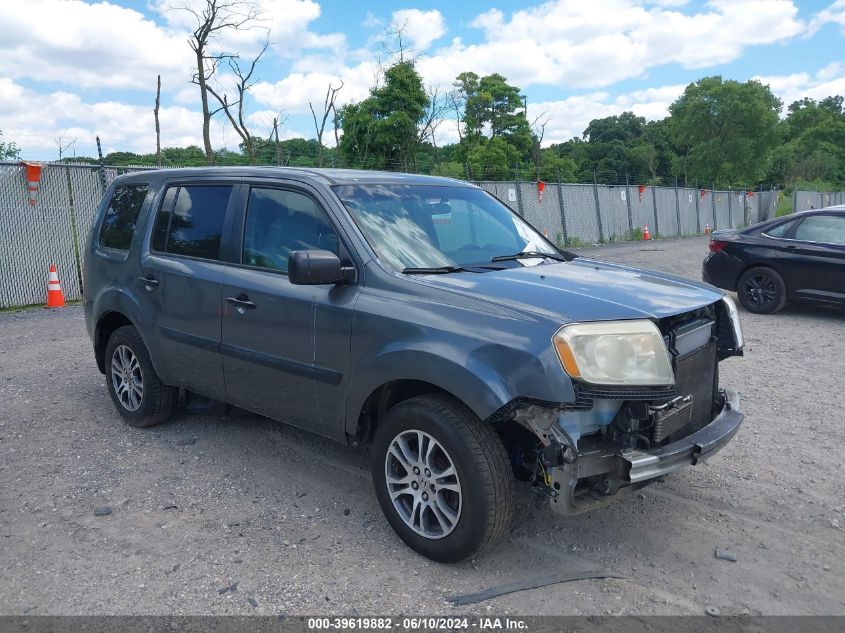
pixel 121 216
pixel 190 221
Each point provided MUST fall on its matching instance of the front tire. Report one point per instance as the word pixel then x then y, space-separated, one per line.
pixel 761 290
pixel 442 478
pixel 135 388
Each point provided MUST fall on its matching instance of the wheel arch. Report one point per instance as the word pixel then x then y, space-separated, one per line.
pixel 380 389
pixel 107 324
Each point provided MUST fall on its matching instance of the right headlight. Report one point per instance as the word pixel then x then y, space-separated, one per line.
pixel 615 353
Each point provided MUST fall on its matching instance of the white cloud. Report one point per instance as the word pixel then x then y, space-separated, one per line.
pixel 285 22
pixel 833 14
pixel 292 93
pixel 88 45
pixel 595 44
pixel 33 120
pixel 569 117
pixel 422 28
pixel 827 81
pixel 100 44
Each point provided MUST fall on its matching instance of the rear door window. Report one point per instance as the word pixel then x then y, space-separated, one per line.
pixel 121 216
pixel 194 227
pixel 828 229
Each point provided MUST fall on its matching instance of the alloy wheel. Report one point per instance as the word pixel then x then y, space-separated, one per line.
pixel 760 290
pixel 127 379
pixel 423 484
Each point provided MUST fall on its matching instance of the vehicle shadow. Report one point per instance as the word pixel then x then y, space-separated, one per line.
pixel 539 543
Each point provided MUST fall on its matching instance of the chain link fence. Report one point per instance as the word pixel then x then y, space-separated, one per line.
pixel 52 231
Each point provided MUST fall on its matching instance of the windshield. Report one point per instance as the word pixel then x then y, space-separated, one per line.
pixel 426 226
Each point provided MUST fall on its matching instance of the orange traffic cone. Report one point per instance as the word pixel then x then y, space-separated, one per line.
pixel 707 229
pixel 646 234
pixel 55 296
pixel 33 177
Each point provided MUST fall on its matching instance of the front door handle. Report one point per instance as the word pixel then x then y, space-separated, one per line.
pixel 242 303
pixel 149 282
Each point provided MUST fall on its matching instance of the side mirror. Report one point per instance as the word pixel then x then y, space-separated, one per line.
pixel 316 267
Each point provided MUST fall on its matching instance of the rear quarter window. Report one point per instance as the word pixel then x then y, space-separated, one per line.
pixel 121 217
pixel 780 230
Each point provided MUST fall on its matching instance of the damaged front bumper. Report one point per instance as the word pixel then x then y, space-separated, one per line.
pixel 601 472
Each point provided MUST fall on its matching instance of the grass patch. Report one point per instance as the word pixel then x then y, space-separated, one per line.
pixel 31 306
pixel 784 206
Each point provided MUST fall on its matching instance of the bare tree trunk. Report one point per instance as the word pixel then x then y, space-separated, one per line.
pixel 238 119
pixel 158 128
pixel 206 114
pixel 278 147
pixel 320 126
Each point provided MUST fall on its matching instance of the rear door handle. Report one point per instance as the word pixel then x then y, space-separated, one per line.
pixel 149 281
pixel 242 303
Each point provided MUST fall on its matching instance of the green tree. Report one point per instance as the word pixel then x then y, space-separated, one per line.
pixel 811 146
pixel 624 127
pixel 492 159
pixel 381 132
pixel 492 108
pixel 651 152
pixel 724 130
pixel 8 150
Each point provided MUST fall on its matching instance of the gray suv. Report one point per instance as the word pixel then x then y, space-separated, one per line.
pixel 419 316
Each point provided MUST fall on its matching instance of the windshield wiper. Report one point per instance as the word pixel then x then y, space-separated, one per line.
pixel 442 270
pixel 531 255
pixel 439 270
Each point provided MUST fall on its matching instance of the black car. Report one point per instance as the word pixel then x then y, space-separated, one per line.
pixel 800 257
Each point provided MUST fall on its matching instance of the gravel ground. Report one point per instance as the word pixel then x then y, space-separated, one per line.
pixel 215 513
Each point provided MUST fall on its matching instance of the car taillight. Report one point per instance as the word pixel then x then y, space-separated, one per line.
pixel 715 246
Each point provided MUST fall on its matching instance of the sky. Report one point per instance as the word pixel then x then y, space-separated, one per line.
pixel 71 70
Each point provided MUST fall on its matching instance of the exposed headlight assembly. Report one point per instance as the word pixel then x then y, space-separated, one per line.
pixel 733 316
pixel 629 353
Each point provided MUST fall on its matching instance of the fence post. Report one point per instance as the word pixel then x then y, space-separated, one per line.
pixel 654 204
pixel 678 206
pixel 519 208
pixel 598 206
pixel 102 166
pixel 628 204
pixel 730 207
pixel 745 205
pixel 697 208
pixel 74 230
pixel 713 198
pixel 562 209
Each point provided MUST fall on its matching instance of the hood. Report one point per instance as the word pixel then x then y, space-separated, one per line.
pixel 584 290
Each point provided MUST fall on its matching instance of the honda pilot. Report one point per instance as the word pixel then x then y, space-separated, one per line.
pixel 419 316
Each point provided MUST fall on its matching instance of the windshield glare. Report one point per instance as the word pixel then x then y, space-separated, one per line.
pixel 425 226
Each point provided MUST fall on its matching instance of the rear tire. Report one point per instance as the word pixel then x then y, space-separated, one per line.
pixel 451 494
pixel 135 388
pixel 761 290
